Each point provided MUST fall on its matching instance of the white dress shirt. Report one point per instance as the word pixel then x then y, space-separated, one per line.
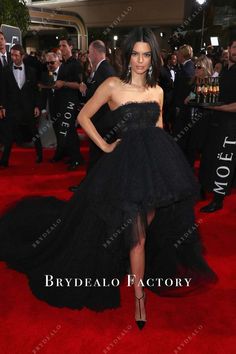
pixel 19 75
pixel 55 74
pixel 172 73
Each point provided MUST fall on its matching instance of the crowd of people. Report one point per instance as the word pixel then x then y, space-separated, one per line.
pixel 51 87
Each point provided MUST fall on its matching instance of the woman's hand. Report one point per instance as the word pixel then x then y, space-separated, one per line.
pixel 187 99
pixel 83 88
pixel 59 84
pixel 190 97
pixel 110 147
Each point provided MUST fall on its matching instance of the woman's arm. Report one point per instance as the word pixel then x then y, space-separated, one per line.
pixel 218 68
pixel 102 95
pixel 190 97
pixel 231 107
pixel 160 96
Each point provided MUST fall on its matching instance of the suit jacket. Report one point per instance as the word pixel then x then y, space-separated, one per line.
pixel 104 71
pixel 1 73
pixel 101 119
pixel 8 61
pixel 20 102
pixel 167 84
pixel 48 95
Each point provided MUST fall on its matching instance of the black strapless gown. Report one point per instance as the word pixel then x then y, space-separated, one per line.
pixel 90 236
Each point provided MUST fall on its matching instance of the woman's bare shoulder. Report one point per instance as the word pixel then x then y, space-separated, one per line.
pixel 113 82
pixel 157 93
pixel 158 90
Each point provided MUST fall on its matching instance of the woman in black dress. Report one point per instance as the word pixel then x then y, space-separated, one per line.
pixel 134 210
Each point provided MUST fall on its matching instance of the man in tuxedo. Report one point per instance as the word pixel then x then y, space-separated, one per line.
pixel 102 69
pixel 49 94
pixel 182 87
pixel 49 99
pixel 20 103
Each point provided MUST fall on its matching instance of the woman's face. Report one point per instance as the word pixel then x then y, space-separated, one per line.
pixel 58 52
pixel 200 71
pixel 83 57
pixel 140 59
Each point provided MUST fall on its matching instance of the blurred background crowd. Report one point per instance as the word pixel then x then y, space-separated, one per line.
pixel 41 94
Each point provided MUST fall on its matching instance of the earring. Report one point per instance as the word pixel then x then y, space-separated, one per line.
pixel 150 72
pixel 128 71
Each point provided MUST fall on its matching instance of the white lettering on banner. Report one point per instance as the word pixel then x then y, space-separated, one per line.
pixel 225 158
pixel 220 187
pixel 220 171
pixel 67 116
pixel 223 171
pixel 70 105
pixel 63 133
pixel 228 142
pixel 64 124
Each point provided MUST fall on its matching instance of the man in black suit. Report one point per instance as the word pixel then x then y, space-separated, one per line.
pixel 49 94
pixel 5 59
pixel 218 167
pixel 20 103
pixel 49 98
pixel 182 88
pixel 166 81
pixel 102 69
pixel 67 89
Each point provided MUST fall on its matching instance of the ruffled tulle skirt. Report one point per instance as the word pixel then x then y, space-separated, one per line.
pixel 89 237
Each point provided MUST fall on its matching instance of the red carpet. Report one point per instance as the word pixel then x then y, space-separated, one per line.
pixel 202 323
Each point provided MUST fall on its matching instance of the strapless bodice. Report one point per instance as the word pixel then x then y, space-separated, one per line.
pixel 134 115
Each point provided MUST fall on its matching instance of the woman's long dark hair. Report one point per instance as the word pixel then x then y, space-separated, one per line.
pixel 145 35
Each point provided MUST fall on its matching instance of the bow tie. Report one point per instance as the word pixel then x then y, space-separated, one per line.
pixel 17 67
pixel 55 73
